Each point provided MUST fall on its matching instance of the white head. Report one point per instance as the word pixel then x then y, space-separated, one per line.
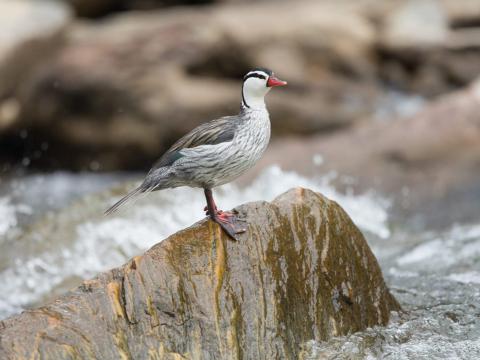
pixel 256 84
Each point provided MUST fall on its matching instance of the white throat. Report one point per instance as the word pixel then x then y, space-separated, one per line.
pixel 251 101
pixel 253 93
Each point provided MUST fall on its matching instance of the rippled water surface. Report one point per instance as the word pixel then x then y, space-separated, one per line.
pixel 436 278
pixel 435 275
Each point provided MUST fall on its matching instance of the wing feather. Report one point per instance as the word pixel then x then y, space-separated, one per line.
pixel 212 133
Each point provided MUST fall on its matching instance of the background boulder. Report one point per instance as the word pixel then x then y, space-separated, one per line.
pixel 30 32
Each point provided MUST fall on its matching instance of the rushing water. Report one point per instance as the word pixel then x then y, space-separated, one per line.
pixel 436 278
pixel 435 275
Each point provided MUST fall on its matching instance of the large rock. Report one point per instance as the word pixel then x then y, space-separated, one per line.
pixel 302 271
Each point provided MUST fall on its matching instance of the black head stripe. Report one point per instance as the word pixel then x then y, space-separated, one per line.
pixel 265 70
pixel 261 73
pixel 256 75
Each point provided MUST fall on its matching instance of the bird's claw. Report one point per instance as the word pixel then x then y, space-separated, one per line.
pixel 229 223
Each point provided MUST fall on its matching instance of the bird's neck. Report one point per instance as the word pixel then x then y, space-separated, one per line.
pixel 254 113
pixel 253 101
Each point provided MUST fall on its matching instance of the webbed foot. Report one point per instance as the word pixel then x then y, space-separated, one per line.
pixel 229 222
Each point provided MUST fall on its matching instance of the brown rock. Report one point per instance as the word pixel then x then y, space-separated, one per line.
pixel 302 271
pixel 429 47
pixel 98 8
pixel 30 33
pixel 404 27
pixel 121 91
pixel 462 12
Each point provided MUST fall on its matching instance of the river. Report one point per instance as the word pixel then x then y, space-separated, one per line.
pixel 53 234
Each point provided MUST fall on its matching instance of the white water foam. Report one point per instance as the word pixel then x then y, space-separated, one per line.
pixel 470 277
pixel 459 245
pixel 9 215
pixel 437 284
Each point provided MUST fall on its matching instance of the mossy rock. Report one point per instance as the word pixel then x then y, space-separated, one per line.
pixel 302 271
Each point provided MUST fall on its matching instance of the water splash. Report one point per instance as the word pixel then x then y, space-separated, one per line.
pixel 436 283
pixel 9 216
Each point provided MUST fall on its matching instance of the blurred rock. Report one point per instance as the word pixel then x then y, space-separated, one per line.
pixel 404 26
pixel 119 92
pixel 462 13
pixel 29 35
pixel 115 93
pixel 98 8
pixel 429 47
pixel 302 271
pixel 427 161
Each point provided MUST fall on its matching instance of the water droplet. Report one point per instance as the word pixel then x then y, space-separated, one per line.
pixel 317 159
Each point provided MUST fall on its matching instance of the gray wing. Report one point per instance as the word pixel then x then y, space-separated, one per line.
pixel 214 132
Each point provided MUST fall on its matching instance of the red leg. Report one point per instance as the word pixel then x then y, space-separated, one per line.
pixel 206 210
pixel 226 220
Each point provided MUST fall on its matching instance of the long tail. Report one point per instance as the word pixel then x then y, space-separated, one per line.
pixel 124 200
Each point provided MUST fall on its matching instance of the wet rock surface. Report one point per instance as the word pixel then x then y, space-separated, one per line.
pixel 302 272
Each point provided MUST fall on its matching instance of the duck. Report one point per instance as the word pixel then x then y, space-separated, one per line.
pixel 216 152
